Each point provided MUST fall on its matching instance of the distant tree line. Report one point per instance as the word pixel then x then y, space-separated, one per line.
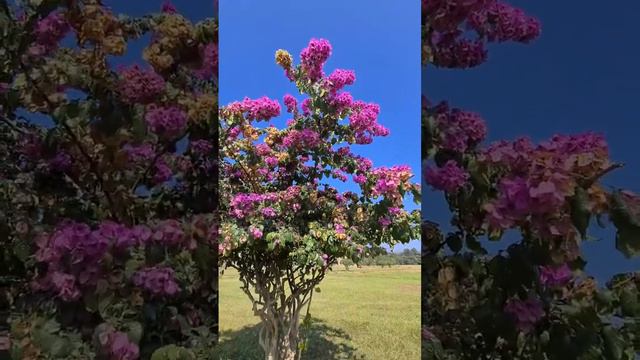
pixel 406 257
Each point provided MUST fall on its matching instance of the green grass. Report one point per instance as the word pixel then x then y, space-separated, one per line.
pixel 366 313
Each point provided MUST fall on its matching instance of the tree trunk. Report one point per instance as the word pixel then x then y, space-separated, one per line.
pixel 279 336
pixel 278 299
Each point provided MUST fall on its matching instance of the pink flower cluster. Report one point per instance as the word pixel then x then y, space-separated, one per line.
pixel 341 101
pixel 258 109
pixel 340 78
pixel 74 252
pixel 390 181
pixel 301 139
pixel 158 281
pixel 243 205
pixel 169 233
pixel 449 178
pixel 459 130
pixel 255 233
pixel 554 276
pixel 313 57
pixel 201 147
pixel 117 346
pixel 291 103
pixel 364 122
pixel 161 172
pixel 61 162
pixel 454 52
pixel 540 180
pixel 167 122
pixel 139 153
pixel 526 313
pixel 168 7
pixel 139 85
pixel 492 20
pixel 209 68
pixel 502 22
pixel 48 32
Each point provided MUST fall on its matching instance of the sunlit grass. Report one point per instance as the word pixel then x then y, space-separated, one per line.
pixel 366 313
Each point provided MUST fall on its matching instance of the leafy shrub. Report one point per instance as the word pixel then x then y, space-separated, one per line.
pixel 107 182
pixel 534 299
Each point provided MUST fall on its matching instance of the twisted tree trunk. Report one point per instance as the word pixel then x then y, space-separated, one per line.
pixel 278 298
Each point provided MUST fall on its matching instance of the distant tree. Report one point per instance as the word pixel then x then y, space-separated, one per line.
pixel 347 263
pixel 386 260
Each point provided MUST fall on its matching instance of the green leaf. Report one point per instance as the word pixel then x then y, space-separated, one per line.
pixel 623 213
pixel 139 127
pixel 628 241
pixel 46 338
pixel 629 303
pixel 580 214
pixel 613 344
pixel 454 242
pixel 104 302
pixel 604 297
pixel 474 245
pixel 21 250
pixel 134 331
pixel 131 266
pixel 172 352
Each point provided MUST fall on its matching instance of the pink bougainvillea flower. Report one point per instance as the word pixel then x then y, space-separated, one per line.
pixel 449 178
pixel 526 313
pixel 553 276
pixel 313 58
pixel 158 281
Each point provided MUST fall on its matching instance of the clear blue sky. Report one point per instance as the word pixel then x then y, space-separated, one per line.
pixel 582 74
pixel 194 10
pixel 378 39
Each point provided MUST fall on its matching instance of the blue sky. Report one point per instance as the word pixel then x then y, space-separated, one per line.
pixel 582 74
pixel 193 10
pixel 378 39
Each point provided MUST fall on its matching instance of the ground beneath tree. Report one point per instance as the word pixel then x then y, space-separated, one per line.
pixel 365 313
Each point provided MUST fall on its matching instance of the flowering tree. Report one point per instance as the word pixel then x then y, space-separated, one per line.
pixel 284 221
pixel 107 183
pixel 532 300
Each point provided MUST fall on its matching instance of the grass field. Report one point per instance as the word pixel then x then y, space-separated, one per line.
pixel 368 313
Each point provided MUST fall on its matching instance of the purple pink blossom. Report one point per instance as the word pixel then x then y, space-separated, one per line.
pixel 161 172
pixel 168 232
pixel 449 178
pixel 138 85
pixel 158 281
pixel 526 314
pixel 364 122
pixel 167 122
pixel 48 33
pixel 313 57
pixel 201 147
pixel 553 276
pixel 302 139
pixel 255 233
pixel 209 67
pixel 61 162
pixel 340 78
pixel 258 109
pixel 139 153
pixel 291 103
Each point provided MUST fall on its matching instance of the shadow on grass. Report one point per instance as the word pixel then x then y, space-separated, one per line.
pixel 324 343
